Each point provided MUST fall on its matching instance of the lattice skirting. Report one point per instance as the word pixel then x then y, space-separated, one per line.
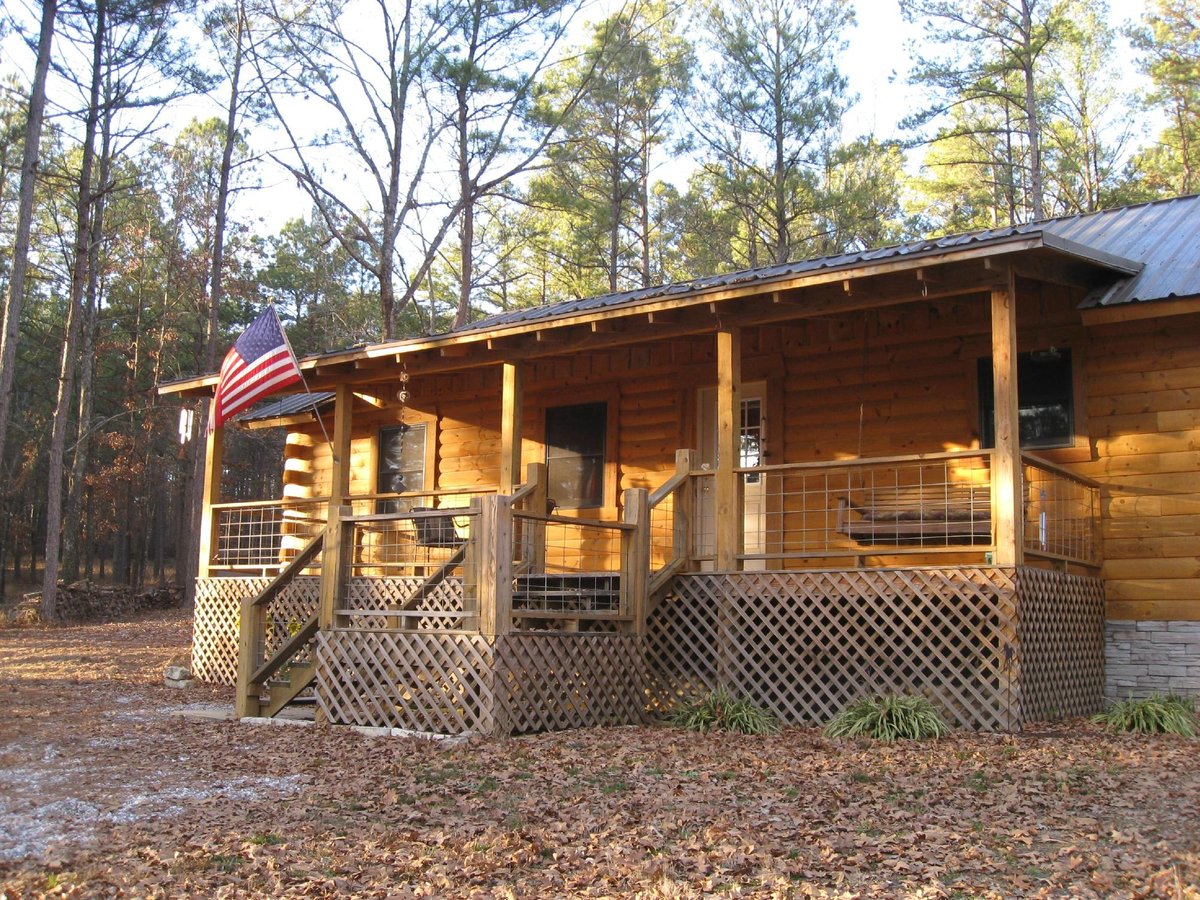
pixel 218 614
pixel 548 682
pixel 804 644
pixel 1060 636
pixel 452 682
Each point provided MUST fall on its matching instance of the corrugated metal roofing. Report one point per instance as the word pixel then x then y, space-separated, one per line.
pixel 288 405
pixel 1164 235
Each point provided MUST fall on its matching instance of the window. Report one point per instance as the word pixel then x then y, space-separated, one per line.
pixel 1044 399
pixel 575 443
pixel 401 464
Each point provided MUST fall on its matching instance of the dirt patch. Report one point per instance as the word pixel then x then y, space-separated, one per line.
pixel 104 790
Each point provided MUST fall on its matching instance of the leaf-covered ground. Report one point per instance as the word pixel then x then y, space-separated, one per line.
pixel 104 791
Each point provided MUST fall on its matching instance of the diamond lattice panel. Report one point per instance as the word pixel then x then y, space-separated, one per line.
pixel 425 682
pixel 1061 633
pixel 803 644
pixel 553 681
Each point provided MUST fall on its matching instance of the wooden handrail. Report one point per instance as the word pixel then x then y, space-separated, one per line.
pixel 288 572
pixel 568 520
pixel 279 659
pixel 867 461
pixel 668 488
pixel 284 501
pixel 1038 463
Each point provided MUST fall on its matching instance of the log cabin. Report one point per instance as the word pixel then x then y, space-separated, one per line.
pixel 964 467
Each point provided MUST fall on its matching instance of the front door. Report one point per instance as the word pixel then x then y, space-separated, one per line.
pixel 751 454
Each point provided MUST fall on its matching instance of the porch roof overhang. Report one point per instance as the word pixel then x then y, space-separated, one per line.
pixel 927 270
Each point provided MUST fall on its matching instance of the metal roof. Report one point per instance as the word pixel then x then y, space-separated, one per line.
pixel 1163 235
pixel 287 405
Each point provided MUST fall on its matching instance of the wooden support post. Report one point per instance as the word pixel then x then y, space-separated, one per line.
pixel 472 576
pixel 510 427
pixel 214 449
pixel 681 509
pixel 1007 509
pixel 535 531
pixel 729 516
pixel 635 558
pixel 339 488
pixel 250 632
pixel 495 565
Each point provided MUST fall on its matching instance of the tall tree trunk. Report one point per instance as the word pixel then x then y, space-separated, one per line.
pixel 466 190
pixel 1033 125
pixel 20 262
pixel 66 376
pixel 83 444
pixel 216 295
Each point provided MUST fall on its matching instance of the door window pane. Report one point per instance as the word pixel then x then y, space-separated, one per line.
pixel 575 446
pixel 401 464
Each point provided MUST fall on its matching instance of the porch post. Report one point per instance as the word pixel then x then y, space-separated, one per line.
pixel 339 488
pixel 494 551
pixel 210 493
pixel 510 428
pixel 681 519
pixel 635 557
pixel 1007 511
pixel 729 426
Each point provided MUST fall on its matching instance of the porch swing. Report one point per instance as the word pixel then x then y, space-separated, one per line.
pixel 921 513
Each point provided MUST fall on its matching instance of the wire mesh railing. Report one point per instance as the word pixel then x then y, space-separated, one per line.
pixel 264 536
pixel 1062 513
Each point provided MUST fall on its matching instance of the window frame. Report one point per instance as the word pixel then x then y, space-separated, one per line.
pixel 984 391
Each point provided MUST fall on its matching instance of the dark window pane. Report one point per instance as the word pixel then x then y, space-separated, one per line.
pixel 1044 399
pixel 575 445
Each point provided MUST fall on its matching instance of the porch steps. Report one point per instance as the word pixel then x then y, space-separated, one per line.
pixel 287 684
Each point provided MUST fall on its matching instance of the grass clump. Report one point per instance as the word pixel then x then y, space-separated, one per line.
pixel 1155 714
pixel 889 717
pixel 721 711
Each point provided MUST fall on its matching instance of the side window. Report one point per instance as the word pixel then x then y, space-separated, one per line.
pixel 401 464
pixel 1045 402
pixel 575 447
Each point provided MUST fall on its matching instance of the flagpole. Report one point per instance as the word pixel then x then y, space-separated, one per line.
pixel 303 380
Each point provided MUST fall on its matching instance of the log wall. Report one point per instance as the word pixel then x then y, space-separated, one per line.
pixel 1143 403
pixel 892 381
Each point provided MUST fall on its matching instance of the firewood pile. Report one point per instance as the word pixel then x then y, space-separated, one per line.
pixel 84 601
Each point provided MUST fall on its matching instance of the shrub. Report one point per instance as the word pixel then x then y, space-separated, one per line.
pixel 1155 714
pixel 720 711
pixel 889 717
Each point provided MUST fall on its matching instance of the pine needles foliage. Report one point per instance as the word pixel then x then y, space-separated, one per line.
pixel 889 717
pixel 720 711
pixel 1155 714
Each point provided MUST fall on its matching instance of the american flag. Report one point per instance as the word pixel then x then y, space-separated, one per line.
pixel 259 364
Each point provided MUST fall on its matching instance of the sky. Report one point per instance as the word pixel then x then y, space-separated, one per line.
pixel 875 63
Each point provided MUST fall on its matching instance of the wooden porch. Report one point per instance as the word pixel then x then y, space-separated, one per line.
pixel 481 612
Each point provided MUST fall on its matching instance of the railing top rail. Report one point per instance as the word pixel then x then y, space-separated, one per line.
pixel 413 514
pixel 571 520
pixel 1038 463
pixel 865 462
pixel 665 490
pixel 409 495
pixel 414 495
pixel 284 501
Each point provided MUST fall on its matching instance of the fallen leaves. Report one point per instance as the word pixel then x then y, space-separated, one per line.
pixel 209 808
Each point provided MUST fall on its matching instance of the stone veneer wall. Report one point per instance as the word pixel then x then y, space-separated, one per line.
pixel 1143 658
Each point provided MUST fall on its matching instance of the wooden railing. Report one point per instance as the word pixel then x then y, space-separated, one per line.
pixel 1062 513
pixel 273 633
pixel 671 522
pixel 262 536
